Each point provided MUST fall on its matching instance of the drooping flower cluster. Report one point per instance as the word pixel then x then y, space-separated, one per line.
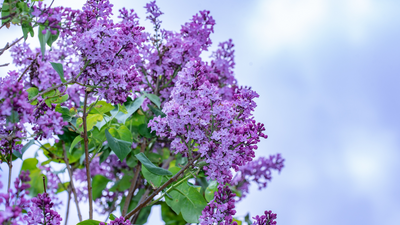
pixel 267 219
pixel 118 221
pixel 221 209
pixel 259 171
pixel 15 202
pixel 224 130
pixel 41 211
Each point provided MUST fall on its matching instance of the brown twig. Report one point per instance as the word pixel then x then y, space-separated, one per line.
pixel 68 203
pixel 9 46
pixel 6 64
pixel 134 182
pixel 23 73
pixel 174 178
pixel 87 162
pixel 71 183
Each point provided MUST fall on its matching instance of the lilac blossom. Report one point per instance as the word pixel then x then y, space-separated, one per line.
pixel 224 130
pixel 118 221
pixel 267 219
pixel 15 201
pixel 221 209
pixel 259 171
pixel 41 211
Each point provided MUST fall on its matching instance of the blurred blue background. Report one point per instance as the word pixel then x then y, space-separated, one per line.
pixel 327 75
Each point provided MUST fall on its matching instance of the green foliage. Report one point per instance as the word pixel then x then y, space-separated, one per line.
pixel 76 141
pixel 188 201
pixel 58 67
pixel 36 176
pixel 130 106
pixel 155 180
pixel 23 150
pixel 170 217
pixel 91 120
pixel 99 183
pixel 32 92
pixel 122 184
pixel 153 98
pixel 101 108
pixel 150 166
pixel 210 190
pixel 119 147
pixel 89 222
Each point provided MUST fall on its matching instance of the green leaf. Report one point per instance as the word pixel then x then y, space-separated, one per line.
pixel 119 147
pixel 131 107
pixel 144 131
pixel 61 187
pixel 27 28
pixel 52 37
pixel 65 112
pixel 36 182
pixel 101 107
pixel 32 92
pixel 156 111
pixel 112 217
pixel 29 164
pixel 43 38
pixel 170 217
pixel 58 67
pixel 153 98
pixel 60 99
pixel 99 183
pixel 125 134
pixel 239 222
pixel 131 161
pixel 122 184
pixel 188 201
pixel 23 150
pixel 91 120
pixel 151 167
pixel 90 222
pixel 247 219
pixel 210 190
pixel 155 180
pixel 76 141
pixel 13 118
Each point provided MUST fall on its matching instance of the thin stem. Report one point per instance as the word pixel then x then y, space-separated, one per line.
pixel 71 183
pixel 68 204
pixel 174 178
pixel 9 46
pixel 10 169
pixel 87 162
pixel 170 188
pixel 134 182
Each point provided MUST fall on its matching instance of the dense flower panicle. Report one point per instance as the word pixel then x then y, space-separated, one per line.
pixel 14 201
pixel 221 209
pixel 224 130
pixel 41 212
pixel 154 12
pixel 267 219
pixel 118 221
pixel 259 171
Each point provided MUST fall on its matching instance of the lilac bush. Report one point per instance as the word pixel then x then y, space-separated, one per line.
pixel 136 118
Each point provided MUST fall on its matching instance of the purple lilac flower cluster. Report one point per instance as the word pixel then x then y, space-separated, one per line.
pixel 41 212
pixel 118 221
pixel 221 209
pixel 223 129
pixel 267 219
pixel 258 171
pixel 15 202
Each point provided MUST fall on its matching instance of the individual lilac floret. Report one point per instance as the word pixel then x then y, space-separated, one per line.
pixel 267 219
pixel 15 202
pixel 221 209
pixel 41 212
pixel 118 221
pixel 258 171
